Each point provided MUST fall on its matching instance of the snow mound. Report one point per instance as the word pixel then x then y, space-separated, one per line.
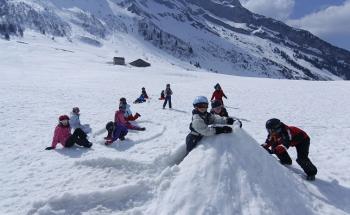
pixel 231 174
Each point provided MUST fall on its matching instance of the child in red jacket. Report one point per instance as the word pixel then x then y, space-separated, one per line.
pixel 218 94
pixel 281 137
pixel 63 135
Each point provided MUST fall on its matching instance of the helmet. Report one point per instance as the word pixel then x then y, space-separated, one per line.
pixel 142 88
pixel 200 100
pixel 76 110
pixel 273 125
pixel 63 117
pixel 167 85
pixel 217 86
pixel 216 103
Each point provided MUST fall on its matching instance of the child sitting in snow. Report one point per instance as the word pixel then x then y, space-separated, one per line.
pixel 140 99
pixel 162 95
pixel 218 109
pixel 115 131
pixel 74 121
pixel 144 93
pixel 201 120
pixel 128 114
pixel 63 135
pixel 120 119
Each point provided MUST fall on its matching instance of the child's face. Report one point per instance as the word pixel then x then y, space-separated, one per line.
pixel 202 109
pixel 64 122
pixel 217 109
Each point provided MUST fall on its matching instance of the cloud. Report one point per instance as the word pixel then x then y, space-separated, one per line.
pixel 277 9
pixel 333 20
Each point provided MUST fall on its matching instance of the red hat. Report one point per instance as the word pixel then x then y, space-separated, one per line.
pixel 63 117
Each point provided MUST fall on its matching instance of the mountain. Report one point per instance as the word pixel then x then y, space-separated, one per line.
pixel 218 35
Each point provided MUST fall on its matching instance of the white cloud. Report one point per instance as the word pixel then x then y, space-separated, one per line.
pixel 277 9
pixel 334 20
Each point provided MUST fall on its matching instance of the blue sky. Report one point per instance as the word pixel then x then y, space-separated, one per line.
pixel 327 19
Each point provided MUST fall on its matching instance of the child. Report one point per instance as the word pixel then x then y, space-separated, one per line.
pixel 143 92
pixel 120 119
pixel 128 114
pixel 201 120
pixel 168 92
pixel 115 131
pixel 218 94
pixel 74 121
pixel 218 109
pixel 281 137
pixel 63 135
pixel 162 96
pixel 140 99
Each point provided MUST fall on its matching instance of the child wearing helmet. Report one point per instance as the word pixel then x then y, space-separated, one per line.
pixel 281 137
pixel 74 121
pixel 202 121
pixel 218 94
pixel 63 135
pixel 168 93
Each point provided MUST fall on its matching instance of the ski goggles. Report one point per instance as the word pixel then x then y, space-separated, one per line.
pixel 202 105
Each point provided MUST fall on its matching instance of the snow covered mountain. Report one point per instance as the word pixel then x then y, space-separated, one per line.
pixel 218 35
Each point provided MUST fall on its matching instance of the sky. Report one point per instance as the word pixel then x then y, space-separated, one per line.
pixel 327 19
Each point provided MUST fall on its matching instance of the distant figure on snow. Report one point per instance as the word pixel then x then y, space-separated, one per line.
pixel 144 93
pixel 140 99
pixel 128 113
pixel 168 93
pixel 281 137
pixel 162 95
pixel 63 135
pixel 202 121
pixel 74 121
pixel 218 94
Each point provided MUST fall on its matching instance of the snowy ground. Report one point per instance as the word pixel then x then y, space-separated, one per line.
pixel 227 174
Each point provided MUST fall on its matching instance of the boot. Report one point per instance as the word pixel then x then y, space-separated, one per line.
pixel 137 115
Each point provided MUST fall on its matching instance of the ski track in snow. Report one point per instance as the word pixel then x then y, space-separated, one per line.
pixel 147 173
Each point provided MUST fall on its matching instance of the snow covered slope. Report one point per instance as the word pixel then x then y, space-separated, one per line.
pixel 220 36
pixel 43 78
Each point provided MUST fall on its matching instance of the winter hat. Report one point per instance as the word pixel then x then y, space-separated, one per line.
pixel 167 85
pixel 216 103
pixel 217 86
pixel 63 117
pixel 122 100
pixel 76 110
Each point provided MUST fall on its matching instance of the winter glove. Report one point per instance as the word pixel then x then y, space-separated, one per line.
pixel 280 149
pixel 49 148
pixel 225 129
pixel 229 121
pixel 266 148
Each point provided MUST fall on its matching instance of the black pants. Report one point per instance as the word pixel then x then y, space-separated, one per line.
pixel 167 98
pixel 78 137
pixel 192 141
pixel 303 158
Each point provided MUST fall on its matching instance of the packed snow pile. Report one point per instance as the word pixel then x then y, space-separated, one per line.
pixel 231 174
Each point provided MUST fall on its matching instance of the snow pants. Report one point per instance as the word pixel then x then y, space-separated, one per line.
pixel 167 98
pixel 303 158
pixel 192 141
pixel 78 137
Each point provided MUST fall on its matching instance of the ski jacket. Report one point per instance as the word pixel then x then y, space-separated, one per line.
pixel 168 92
pixel 289 136
pixel 201 121
pixel 222 113
pixel 217 95
pixel 119 118
pixel 128 111
pixel 74 123
pixel 61 134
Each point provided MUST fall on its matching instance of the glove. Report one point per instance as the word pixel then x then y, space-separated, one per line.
pixel 225 129
pixel 49 148
pixel 229 121
pixel 280 149
pixel 264 145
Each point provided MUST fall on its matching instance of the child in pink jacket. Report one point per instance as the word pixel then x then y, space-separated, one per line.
pixel 119 118
pixel 63 135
